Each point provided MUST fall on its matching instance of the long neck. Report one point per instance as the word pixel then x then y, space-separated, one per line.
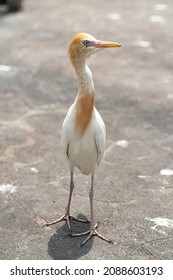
pixel 85 79
pixel 85 97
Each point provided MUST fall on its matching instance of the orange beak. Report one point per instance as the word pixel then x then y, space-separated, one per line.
pixel 105 44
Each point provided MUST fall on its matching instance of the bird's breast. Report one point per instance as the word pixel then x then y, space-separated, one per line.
pixel 83 152
pixel 84 110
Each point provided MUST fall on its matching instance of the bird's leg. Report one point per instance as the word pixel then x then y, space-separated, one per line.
pixel 93 228
pixel 67 217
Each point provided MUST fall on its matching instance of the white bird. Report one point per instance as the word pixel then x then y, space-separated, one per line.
pixel 83 130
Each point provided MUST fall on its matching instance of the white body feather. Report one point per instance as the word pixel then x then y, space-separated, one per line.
pixel 84 152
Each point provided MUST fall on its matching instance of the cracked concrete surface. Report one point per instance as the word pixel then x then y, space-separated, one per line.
pixel 133 201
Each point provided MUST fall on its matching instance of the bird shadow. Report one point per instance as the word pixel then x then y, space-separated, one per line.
pixel 64 247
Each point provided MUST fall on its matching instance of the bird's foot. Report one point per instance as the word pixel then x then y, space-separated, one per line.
pixel 67 218
pixel 91 233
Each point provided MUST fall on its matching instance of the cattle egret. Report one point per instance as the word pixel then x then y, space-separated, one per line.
pixel 83 130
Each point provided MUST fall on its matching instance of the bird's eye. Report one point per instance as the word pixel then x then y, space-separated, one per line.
pixel 86 43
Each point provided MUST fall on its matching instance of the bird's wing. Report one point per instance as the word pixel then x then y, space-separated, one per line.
pixel 65 135
pixel 100 140
pixel 65 142
pixel 100 145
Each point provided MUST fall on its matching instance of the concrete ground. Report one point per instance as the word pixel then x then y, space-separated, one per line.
pixel 134 182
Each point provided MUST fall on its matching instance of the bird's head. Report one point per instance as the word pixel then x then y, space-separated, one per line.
pixel 83 45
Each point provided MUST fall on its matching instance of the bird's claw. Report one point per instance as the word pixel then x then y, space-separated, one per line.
pixel 79 220
pixel 67 218
pixel 62 218
pixel 90 233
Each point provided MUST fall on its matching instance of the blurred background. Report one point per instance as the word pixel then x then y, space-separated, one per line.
pixel 134 185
